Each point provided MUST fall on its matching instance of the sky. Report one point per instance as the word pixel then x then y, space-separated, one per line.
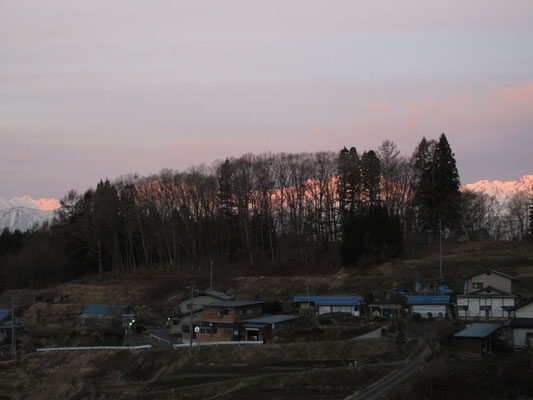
pixel 91 89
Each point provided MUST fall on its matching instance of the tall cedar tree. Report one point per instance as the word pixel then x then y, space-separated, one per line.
pixel 446 189
pixel 371 174
pixel 349 188
pixel 232 237
pixel 424 198
pixel 225 189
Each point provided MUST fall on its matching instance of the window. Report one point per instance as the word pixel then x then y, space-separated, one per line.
pixel 250 311
pixel 207 308
pixel 227 311
pixel 205 330
pixel 477 285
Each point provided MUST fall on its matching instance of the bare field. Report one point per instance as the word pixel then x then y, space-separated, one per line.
pixel 279 371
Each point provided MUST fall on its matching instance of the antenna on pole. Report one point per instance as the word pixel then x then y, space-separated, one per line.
pixel 211 274
pixel 13 330
pixel 191 331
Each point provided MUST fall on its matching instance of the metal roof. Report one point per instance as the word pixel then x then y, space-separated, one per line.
pixel 217 295
pixel 271 319
pixel 329 300
pixel 5 314
pixel 106 309
pixel 429 299
pixel 234 303
pixel 253 325
pixel 521 323
pixel 487 291
pixel 493 271
pixel 478 330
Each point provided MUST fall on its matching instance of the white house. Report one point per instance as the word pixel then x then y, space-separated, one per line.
pixel 522 325
pixel 429 305
pixel 488 303
pixel 331 304
pixel 492 278
pixel 489 295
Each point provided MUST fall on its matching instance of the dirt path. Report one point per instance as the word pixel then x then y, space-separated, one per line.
pixel 375 334
pixel 379 389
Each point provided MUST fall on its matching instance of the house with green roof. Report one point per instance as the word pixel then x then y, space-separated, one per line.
pixel 107 316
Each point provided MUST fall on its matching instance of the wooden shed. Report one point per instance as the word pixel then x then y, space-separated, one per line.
pixel 478 339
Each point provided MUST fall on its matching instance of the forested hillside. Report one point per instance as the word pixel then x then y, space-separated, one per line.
pixel 269 211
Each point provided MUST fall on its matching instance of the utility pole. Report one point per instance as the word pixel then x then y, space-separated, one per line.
pixel 13 330
pixel 440 243
pixel 211 274
pixel 191 331
pixel 308 303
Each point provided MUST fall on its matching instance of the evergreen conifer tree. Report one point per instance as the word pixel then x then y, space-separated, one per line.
pixel 225 189
pixel 446 185
pixel 424 182
pixel 349 187
pixel 371 176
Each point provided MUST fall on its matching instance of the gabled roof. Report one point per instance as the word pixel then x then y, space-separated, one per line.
pixel 186 314
pixel 271 319
pixel 478 330
pixel 480 292
pixel 329 300
pixel 217 295
pixel 521 305
pixel 234 303
pixel 521 323
pixel 429 299
pixel 107 309
pixel 493 271
pixel 6 314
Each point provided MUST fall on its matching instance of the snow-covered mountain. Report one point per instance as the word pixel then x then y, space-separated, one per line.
pixel 24 213
pixel 502 190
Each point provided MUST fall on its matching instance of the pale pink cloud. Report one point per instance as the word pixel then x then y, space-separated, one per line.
pixel 511 105
pixel 379 107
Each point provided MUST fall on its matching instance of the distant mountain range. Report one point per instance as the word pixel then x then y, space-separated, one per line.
pixel 502 190
pixel 24 213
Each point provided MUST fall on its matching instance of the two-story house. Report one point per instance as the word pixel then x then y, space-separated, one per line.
pixel 488 295
pixel 224 321
pixel 190 312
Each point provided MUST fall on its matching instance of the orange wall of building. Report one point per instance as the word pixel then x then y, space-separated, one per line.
pixel 235 314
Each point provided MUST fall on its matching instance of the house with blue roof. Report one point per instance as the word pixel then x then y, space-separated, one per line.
pixel 330 304
pixel 430 306
pixel 479 338
pixel 6 324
